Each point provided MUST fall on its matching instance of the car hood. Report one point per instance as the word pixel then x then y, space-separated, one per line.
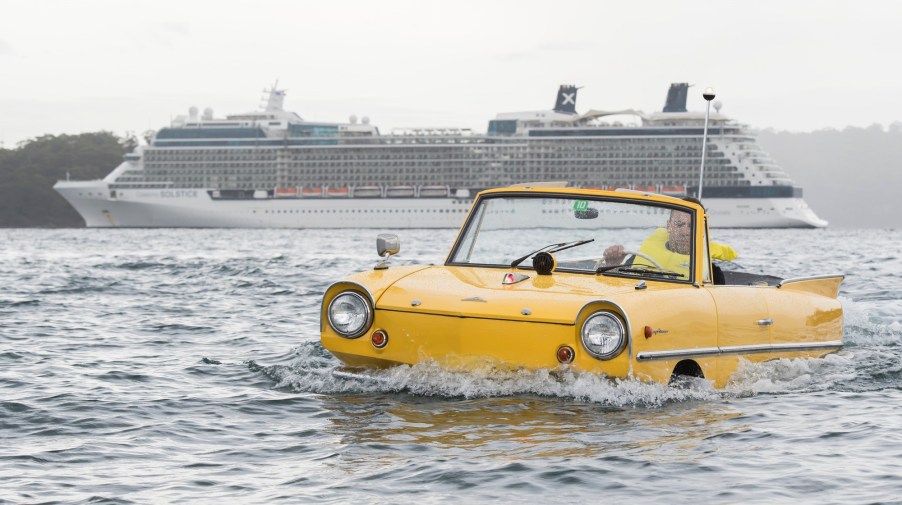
pixel 479 292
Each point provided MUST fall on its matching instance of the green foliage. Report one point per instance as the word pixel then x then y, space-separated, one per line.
pixel 28 173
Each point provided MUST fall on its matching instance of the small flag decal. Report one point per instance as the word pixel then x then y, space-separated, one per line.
pixel 513 278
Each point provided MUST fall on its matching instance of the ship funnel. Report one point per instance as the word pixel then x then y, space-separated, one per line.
pixel 566 99
pixel 676 97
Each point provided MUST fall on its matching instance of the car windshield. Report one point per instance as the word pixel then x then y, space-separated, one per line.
pixel 641 240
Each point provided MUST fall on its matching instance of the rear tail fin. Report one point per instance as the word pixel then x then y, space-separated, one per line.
pixel 566 99
pixel 676 97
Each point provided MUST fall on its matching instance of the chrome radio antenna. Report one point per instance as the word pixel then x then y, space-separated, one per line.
pixel 708 96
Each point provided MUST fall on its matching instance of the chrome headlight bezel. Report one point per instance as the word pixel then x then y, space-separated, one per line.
pixel 366 313
pixel 614 323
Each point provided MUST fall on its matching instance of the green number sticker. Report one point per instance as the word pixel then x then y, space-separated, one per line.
pixel 581 205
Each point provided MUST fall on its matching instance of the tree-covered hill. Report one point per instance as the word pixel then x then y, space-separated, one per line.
pixel 28 173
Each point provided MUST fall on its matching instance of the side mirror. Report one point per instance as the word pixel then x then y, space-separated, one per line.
pixel 387 245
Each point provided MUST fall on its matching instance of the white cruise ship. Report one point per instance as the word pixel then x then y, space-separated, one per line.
pixel 273 169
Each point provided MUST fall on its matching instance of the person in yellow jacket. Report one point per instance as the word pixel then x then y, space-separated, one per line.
pixel 670 246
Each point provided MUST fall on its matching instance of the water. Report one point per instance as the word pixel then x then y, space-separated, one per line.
pixel 183 366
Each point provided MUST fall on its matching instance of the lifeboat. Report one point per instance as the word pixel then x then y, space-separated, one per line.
pixel 367 192
pixel 400 192
pixel 337 192
pixel 647 189
pixel 434 191
pixel 286 192
pixel 311 192
pixel 673 190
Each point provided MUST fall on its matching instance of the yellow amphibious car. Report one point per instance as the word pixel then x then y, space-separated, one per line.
pixel 609 282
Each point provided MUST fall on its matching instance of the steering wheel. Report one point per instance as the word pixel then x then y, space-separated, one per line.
pixel 643 256
pixel 637 254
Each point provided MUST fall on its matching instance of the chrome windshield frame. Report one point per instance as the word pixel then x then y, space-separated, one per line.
pixel 477 215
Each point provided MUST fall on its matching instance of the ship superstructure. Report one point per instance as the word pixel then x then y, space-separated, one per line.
pixel 272 168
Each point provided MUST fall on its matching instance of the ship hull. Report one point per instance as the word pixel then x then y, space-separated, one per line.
pixel 791 212
pixel 194 208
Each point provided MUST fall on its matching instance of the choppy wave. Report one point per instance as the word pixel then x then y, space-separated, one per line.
pixel 157 366
pixel 312 371
pixel 848 370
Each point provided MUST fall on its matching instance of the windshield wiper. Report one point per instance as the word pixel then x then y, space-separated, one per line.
pixel 638 270
pixel 552 248
pixel 601 270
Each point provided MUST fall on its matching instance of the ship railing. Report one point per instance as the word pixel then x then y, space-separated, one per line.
pixel 662 189
pixel 366 191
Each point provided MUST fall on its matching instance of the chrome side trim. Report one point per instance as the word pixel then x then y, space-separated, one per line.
pixel 698 352
pixel 704 352
pixel 812 278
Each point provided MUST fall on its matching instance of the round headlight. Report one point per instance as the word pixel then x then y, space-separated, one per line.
pixel 602 335
pixel 349 314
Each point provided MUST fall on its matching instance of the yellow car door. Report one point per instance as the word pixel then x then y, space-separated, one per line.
pixel 743 326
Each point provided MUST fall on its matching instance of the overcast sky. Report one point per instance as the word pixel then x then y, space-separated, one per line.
pixel 129 66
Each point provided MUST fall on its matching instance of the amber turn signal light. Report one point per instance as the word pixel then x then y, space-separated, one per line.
pixel 565 354
pixel 379 339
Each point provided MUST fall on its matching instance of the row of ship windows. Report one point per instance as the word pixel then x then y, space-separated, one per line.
pixel 380 172
pixel 288 183
pixel 571 157
pixel 501 145
pixel 370 179
pixel 437 162
pixel 439 157
pixel 315 184
pixel 361 211
pixel 250 152
pixel 377 172
pixel 413 176
pixel 457 151
pixel 577 155
pixel 430 168
pixel 557 167
pixel 712 181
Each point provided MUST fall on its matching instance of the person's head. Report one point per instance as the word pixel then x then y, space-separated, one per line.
pixel 679 231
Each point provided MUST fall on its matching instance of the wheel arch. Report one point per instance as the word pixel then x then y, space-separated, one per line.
pixel 687 368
